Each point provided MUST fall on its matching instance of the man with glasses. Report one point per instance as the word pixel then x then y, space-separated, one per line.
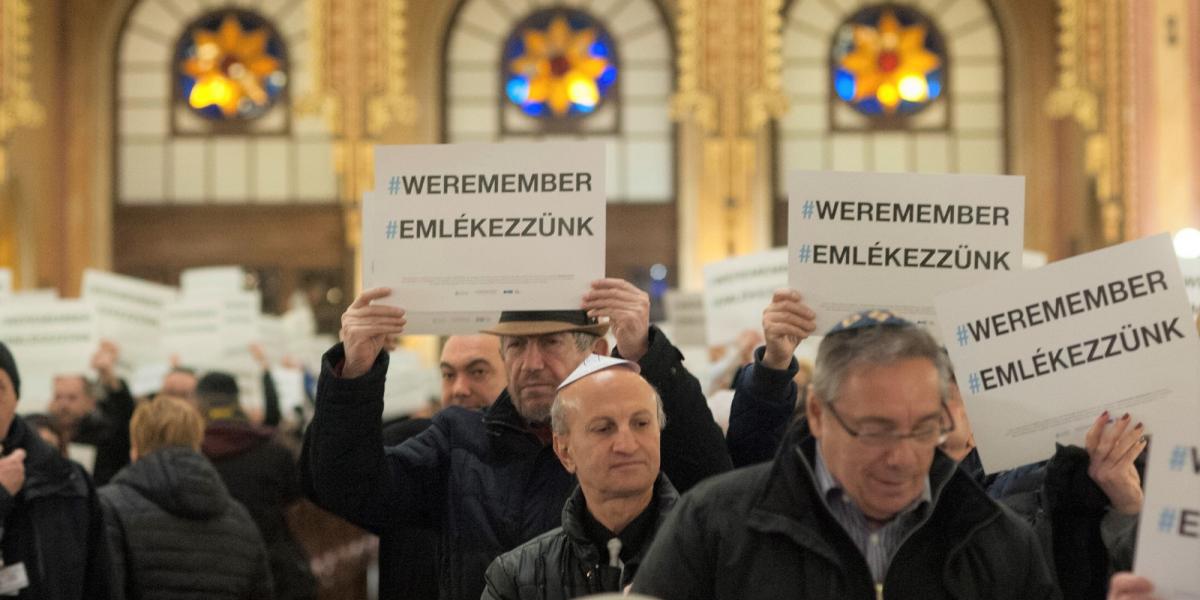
pixel 861 504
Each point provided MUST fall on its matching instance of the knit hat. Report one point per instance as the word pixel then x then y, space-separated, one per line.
pixel 218 396
pixel 9 365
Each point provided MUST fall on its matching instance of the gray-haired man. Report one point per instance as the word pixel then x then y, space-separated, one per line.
pixel 862 505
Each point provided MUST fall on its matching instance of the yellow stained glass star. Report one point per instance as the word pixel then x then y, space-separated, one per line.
pixel 231 65
pixel 560 67
pixel 890 62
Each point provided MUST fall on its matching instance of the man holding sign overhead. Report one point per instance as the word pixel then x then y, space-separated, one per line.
pixel 487 480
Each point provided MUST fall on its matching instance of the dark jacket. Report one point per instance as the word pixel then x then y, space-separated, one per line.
pixel 1071 516
pixel 764 400
pixel 262 475
pixel 485 481
pixel 107 428
pixel 409 556
pixel 174 532
pixel 53 525
pixel 766 532
pixel 564 563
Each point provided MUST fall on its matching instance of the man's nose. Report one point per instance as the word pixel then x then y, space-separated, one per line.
pixel 533 359
pixel 904 453
pixel 624 441
pixel 460 388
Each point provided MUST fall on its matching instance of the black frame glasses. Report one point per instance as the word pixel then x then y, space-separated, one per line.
pixel 931 437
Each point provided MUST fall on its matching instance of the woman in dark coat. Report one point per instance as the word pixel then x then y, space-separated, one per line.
pixel 173 529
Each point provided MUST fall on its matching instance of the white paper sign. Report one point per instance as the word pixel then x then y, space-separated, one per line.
pixel 289 385
pixel 408 386
pixel 859 241
pixel 485 227
pixel 6 284
pixel 1191 279
pixel 129 311
pixel 450 323
pixel 48 339
pixel 685 313
pixel 738 289
pixel 1041 354
pixel 192 331
pixel 1168 546
pixel 208 281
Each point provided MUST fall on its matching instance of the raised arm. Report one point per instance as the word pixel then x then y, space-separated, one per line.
pixel 344 467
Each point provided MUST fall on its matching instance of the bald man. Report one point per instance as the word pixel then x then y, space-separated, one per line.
pixel 606 421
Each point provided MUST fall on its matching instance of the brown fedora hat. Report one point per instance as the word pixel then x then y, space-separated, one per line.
pixel 542 322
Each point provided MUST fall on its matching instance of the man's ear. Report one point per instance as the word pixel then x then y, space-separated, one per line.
pixel 600 346
pixel 561 443
pixel 814 409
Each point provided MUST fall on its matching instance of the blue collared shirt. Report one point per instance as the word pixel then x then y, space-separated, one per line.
pixel 877 546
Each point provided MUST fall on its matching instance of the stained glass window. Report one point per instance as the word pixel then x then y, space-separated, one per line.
pixel 559 62
pixel 230 65
pixel 888 61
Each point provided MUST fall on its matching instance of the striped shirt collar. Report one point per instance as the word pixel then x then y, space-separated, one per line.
pixel 877 546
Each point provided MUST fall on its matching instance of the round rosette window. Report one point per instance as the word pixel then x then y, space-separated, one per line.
pixel 231 65
pixel 558 63
pixel 888 60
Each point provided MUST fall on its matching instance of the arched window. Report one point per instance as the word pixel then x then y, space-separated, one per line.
pixel 597 69
pixel 843 66
pixel 203 107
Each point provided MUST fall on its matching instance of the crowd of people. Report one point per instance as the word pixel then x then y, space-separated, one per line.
pixel 572 454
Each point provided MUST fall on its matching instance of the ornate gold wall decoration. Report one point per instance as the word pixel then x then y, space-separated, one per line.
pixel 730 87
pixel 17 107
pixel 360 86
pixel 1090 91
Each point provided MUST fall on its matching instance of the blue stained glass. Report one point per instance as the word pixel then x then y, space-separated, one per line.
pixel 934 81
pixel 599 50
pixel 844 84
pixel 518 90
pixel 607 77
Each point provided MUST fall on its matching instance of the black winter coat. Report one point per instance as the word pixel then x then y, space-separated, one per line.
pixel 175 533
pixel 262 476
pixel 766 532
pixel 107 428
pixel 563 563
pixel 485 481
pixel 53 525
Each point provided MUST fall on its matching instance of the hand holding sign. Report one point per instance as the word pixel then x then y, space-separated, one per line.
pixel 628 309
pixel 365 330
pixel 787 321
pixel 12 472
pixel 1112 448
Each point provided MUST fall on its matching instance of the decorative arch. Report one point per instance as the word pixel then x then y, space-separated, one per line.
pixel 166 154
pixel 635 121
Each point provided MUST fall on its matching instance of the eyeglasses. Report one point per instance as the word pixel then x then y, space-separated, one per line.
pixel 880 436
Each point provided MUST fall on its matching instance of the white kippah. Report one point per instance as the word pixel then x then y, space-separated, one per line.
pixel 595 363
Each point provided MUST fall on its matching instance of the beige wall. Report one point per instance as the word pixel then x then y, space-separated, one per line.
pixel 61 172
